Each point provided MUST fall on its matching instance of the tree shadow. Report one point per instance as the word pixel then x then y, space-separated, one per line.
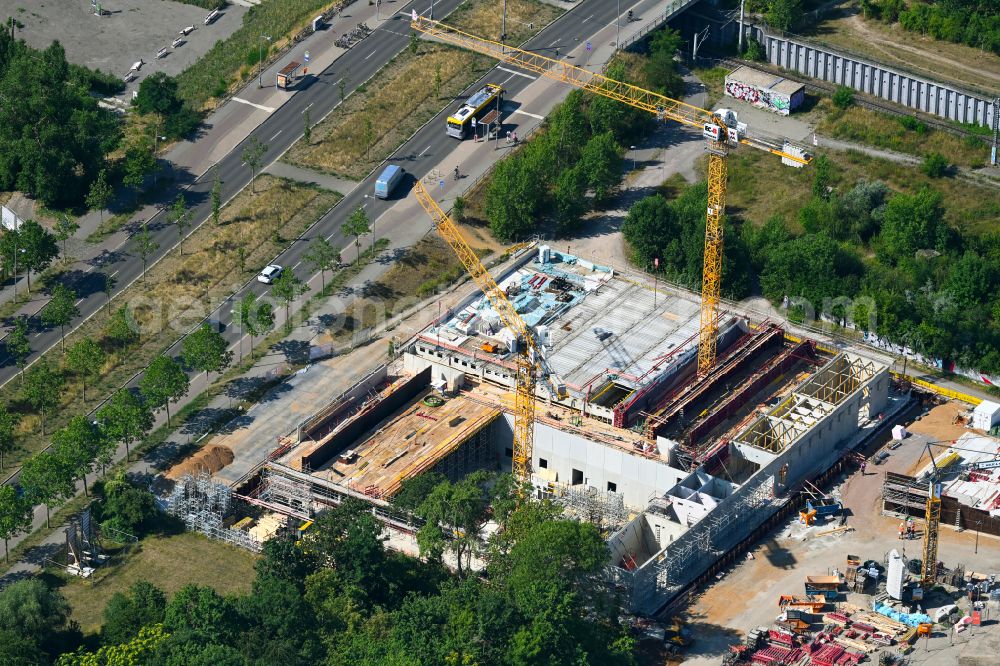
pixel 294 351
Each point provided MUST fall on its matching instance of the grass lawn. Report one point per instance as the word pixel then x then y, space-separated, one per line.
pixel 169 562
pixel 378 118
pixel 181 289
pixel 484 18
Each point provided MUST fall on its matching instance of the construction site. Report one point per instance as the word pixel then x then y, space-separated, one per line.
pixel 677 469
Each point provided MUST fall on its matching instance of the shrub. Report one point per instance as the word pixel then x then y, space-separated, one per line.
pixel 935 165
pixel 912 124
pixel 843 98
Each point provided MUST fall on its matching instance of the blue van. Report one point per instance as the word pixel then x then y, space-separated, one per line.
pixel 388 180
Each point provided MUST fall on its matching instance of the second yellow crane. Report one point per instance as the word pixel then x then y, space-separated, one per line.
pixel 720 128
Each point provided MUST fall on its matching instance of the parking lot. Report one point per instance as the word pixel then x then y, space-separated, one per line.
pixel 129 31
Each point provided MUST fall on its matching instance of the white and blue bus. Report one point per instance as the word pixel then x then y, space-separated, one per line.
pixel 490 97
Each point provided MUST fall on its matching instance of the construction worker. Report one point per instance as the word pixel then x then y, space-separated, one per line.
pixel 864 464
pixel 902 529
pixel 456 173
pixel 909 528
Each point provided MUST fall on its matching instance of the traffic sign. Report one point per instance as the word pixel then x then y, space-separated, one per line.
pixel 306 56
pixel 473 123
pixel 441 184
pixel 589 47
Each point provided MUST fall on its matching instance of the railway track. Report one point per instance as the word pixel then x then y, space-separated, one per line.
pixel 861 99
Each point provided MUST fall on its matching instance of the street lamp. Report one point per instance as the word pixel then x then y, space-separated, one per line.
pixel 17 251
pixel 369 196
pixel 618 26
pixel 503 29
pixel 632 148
pixel 260 60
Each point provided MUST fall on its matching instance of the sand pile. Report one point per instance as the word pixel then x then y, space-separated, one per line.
pixel 209 459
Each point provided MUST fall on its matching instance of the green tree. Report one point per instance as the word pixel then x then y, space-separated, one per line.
pixel 253 157
pixel 784 14
pixel 127 613
pixel 202 611
pixel 8 425
pixel 17 344
pixel 306 127
pixel 145 246
pixel 42 389
pixel 286 289
pixel 369 137
pixel 216 198
pixel 65 228
pixel 31 608
pixel 282 559
pixel 140 650
pixel 660 68
pixel 513 199
pixel 18 650
pixel 569 129
pixel 822 177
pixel 342 85
pixel 109 286
pixel 99 196
pixel 348 538
pixel 843 97
pixel 139 163
pixel 458 209
pixel 47 479
pixel 322 257
pixel 461 506
pixel 205 350
pixel 912 222
pixel 122 328
pixel 39 246
pixel 15 517
pixel 78 443
pixel 125 418
pixel 253 316
pixel 414 490
pixel 601 164
pixel 437 79
pixel 570 199
pixel 182 217
pixel 163 382
pixel 357 225
pixel 158 94
pixel 85 358
pixel 813 267
pixel 652 231
pixel 60 310
pixel 125 507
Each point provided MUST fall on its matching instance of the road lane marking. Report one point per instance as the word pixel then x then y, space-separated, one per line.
pixel 310 105
pixel 504 82
pixel 371 54
pixel 275 135
pixel 533 115
pixel 424 151
pixel 269 109
pixel 527 76
pixel 587 19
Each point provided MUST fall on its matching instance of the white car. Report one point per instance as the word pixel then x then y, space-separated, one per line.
pixel 270 274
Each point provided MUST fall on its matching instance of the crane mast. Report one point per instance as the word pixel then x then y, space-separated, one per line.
pixel 527 353
pixel 721 133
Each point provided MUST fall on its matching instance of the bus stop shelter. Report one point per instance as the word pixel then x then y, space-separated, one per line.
pixel 288 76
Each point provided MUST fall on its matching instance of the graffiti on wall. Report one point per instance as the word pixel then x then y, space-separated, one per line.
pixel 753 95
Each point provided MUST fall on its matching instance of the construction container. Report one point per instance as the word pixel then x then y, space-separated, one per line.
pixel 824 506
pixel 986 415
pixel 765 90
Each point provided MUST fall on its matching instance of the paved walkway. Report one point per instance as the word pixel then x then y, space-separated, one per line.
pixel 285 170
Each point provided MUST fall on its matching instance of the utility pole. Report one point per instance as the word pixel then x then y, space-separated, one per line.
pixel 996 130
pixel 260 60
pixel 503 29
pixel 618 26
pixel 740 47
pixel 432 10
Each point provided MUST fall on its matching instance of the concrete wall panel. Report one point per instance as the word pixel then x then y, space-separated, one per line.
pixel 902 88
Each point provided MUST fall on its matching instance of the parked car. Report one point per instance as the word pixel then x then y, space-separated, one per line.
pixel 270 274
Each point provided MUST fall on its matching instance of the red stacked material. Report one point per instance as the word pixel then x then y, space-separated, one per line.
pixel 836 618
pixel 828 655
pixel 770 655
pixel 849 659
pixel 782 637
pixel 862 626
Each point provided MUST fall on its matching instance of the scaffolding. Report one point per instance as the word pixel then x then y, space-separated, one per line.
pixel 473 454
pixel 203 504
pixel 83 545
pixel 605 509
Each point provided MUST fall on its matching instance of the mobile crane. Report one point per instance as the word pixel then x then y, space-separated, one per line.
pixel 721 128
pixel 932 514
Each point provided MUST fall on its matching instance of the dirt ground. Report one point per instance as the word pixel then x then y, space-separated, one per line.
pixel 209 459
pixel 133 30
pixel 746 595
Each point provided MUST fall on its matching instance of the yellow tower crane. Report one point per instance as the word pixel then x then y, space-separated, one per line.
pixel 528 356
pixel 720 128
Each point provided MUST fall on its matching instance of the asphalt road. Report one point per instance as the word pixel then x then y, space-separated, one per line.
pixel 320 94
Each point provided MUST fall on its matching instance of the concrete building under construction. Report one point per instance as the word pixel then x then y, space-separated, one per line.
pixel 676 469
